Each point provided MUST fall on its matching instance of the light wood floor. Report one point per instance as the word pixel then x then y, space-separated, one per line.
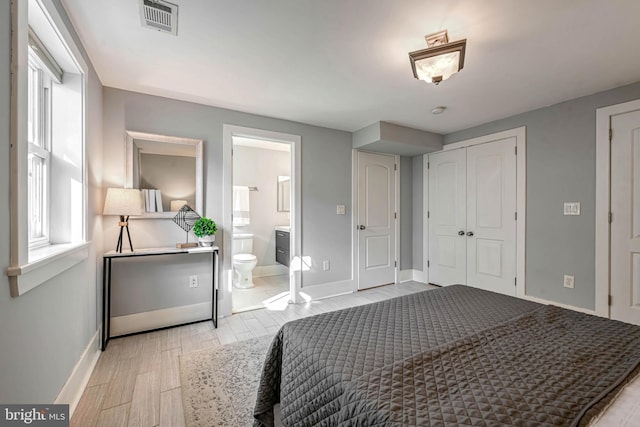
pixel 136 381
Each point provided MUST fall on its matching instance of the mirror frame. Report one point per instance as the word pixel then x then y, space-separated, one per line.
pixel 131 136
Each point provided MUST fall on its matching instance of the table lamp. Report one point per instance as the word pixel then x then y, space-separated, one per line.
pixel 123 202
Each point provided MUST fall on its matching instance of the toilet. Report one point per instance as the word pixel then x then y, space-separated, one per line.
pixel 243 260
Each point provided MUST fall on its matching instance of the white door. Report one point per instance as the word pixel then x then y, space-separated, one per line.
pixel 491 221
pixel 376 220
pixel 447 218
pixel 625 225
pixel 472 223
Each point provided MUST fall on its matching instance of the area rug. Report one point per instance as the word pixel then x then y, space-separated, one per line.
pixel 219 385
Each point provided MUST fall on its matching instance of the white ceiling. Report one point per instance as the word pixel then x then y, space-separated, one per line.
pixel 344 64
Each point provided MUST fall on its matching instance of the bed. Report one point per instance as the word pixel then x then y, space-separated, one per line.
pixel 450 356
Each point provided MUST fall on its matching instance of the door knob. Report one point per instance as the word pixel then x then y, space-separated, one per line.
pixel 469 233
pixel 461 233
pixel 361 227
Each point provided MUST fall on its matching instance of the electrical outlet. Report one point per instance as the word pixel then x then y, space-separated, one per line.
pixel 325 265
pixel 193 281
pixel 569 281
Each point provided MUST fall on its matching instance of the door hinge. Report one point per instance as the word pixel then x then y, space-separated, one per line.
pixel 395 215
pixel 516 215
pixel 515 281
pixel 428 165
pixel 516 149
pixel 610 217
pixel 395 263
pixel 610 299
pixel 428 214
pixel 428 264
pixel 610 134
pixel 395 167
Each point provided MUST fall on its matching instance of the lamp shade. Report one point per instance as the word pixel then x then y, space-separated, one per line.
pixel 441 66
pixel 122 201
pixel 440 60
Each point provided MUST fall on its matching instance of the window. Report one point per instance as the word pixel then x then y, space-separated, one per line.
pixel 47 152
pixel 39 139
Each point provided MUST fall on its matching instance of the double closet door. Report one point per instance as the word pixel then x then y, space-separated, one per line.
pixel 472 216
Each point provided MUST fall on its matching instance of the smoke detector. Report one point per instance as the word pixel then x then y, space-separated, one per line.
pixel 159 15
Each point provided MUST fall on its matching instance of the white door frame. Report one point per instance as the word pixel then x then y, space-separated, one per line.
pixel 521 191
pixel 354 217
pixel 295 142
pixel 603 201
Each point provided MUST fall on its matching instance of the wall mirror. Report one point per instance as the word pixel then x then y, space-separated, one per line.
pixel 284 194
pixel 167 170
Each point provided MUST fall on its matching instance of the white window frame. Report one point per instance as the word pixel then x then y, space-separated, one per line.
pixel 32 266
pixel 40 146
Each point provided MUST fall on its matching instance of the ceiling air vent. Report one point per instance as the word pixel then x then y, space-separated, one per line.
pixel 159 15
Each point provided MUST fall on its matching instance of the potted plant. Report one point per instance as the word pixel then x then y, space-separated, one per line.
pixel 205 230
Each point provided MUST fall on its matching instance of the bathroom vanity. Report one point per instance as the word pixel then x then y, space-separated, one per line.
pixel 282 245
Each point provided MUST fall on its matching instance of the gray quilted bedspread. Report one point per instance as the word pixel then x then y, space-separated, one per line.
pixel 451 356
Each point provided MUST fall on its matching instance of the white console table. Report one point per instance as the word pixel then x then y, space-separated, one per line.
pixel 107 260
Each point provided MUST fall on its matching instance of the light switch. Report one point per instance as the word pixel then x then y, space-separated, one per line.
pixel 572 208
pixel 340 210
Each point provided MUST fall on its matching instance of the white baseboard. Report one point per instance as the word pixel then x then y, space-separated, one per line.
pixel 73 388
pixel 559 304
pixel 420 276
pixel 406 275
pixel 270 270
pixel 137 322
pixel 413 275
pixel 327 290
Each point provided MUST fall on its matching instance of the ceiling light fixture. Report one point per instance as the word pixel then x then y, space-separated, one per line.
pixel 440 60
pixel 438 110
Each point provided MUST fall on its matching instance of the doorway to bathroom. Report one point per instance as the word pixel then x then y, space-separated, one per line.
pixel 260 220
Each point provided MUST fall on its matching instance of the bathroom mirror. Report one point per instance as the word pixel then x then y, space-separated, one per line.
pixel 169 166
pixel 284 194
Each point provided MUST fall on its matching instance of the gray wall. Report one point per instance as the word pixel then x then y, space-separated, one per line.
pixel 406 213
pixel 560 168
pixel 44 332
pixel 133 292
pixel 258 167
pixel 326 178
pixel 418 219
pixel 411 215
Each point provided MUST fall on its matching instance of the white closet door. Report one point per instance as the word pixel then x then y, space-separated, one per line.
pixel 625 227
pixel 447 218
pixel 491 222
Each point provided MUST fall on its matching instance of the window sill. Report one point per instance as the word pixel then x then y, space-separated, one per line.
pixel 44 264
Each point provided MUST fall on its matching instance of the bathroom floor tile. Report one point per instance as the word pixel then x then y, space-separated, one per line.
pixel 267 290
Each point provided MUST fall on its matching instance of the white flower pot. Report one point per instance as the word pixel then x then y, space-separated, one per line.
pixel 207 240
